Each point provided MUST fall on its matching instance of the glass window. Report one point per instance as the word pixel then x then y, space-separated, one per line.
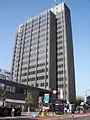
pixel 60 59
pixel 59 37
pixel 60 66
pixel 40 77
pixel 42 64
pixel 61 47
pixel 32 66
pixel 42 84
pixel 65 92
pixel 2 86
pixel 24 68
pixel 24 80
pixel 60 53
pixel 60 72
pixel 41 58
pixel 32 72
pixel 40 71
pixel 33 60
pixel 24 74
pixel 59 32
pixel 61 85
pixel 46 83
pixel 41 51
pixel 60 79
pixel 13 89
pixel 7 88
pixel 31 79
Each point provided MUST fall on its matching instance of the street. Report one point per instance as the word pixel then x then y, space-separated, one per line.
pixel 63 117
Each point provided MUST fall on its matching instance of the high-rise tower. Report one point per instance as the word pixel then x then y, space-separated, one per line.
pixel 43 54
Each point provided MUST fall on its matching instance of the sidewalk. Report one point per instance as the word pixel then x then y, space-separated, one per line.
pixel 56 117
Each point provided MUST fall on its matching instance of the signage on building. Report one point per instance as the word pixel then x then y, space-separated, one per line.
pixel 46 98
pixel 61 94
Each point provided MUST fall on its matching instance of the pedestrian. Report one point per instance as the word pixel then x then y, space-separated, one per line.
pixel 13 112
pixel 65 110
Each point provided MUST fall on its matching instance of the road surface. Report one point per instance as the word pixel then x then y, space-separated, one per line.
pixel 63 117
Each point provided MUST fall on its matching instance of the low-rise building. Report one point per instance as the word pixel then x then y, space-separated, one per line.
pixel 5 74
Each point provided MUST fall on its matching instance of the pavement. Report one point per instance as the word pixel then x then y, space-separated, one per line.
pixel 55 117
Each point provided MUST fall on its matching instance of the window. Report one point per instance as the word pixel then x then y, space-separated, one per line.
pixel 41 45
pixel 40 71
pixel 61 47
pixel 42 84
pixel 46 76
pixel 13 89
pixel 32 60
pixel 59 27
pixel 7 88
pixel 60 53
pixel 41 51
pixel 65 92
pixel 36 85
pixel 60 59
pixel 59 32
pixel 65 78
pixel 31 73
pixel 59 42
pixel 58 22
pixel 24 74
pixel 59 37
pixel 32 79
pixel 2 86
pixel 20 90
pixel 46 83
pixel 60 72
pixel 40 77
pixel 61 85
pixel 61 79
pixel 24 68
pixel 41 57
pixel 60 66
pixel 42 64
pixel 65 85
pixel 24 80
pixel 32 66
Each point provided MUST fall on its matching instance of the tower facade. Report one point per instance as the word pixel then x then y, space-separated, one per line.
pixel 43 53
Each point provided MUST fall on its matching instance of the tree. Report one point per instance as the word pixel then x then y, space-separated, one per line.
pixel 2 96
pixel 29 100
pixel 79 99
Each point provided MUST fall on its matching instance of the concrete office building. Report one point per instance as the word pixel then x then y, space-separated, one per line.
pixel 5 74
pixel 43 54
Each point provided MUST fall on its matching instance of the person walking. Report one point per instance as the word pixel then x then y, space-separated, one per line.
pixel 13 112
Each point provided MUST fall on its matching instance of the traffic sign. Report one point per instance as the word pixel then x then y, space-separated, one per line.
pixel 46 98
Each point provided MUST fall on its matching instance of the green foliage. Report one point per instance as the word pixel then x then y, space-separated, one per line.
pixel 2 94
pixel 79 100
pixel 31 99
